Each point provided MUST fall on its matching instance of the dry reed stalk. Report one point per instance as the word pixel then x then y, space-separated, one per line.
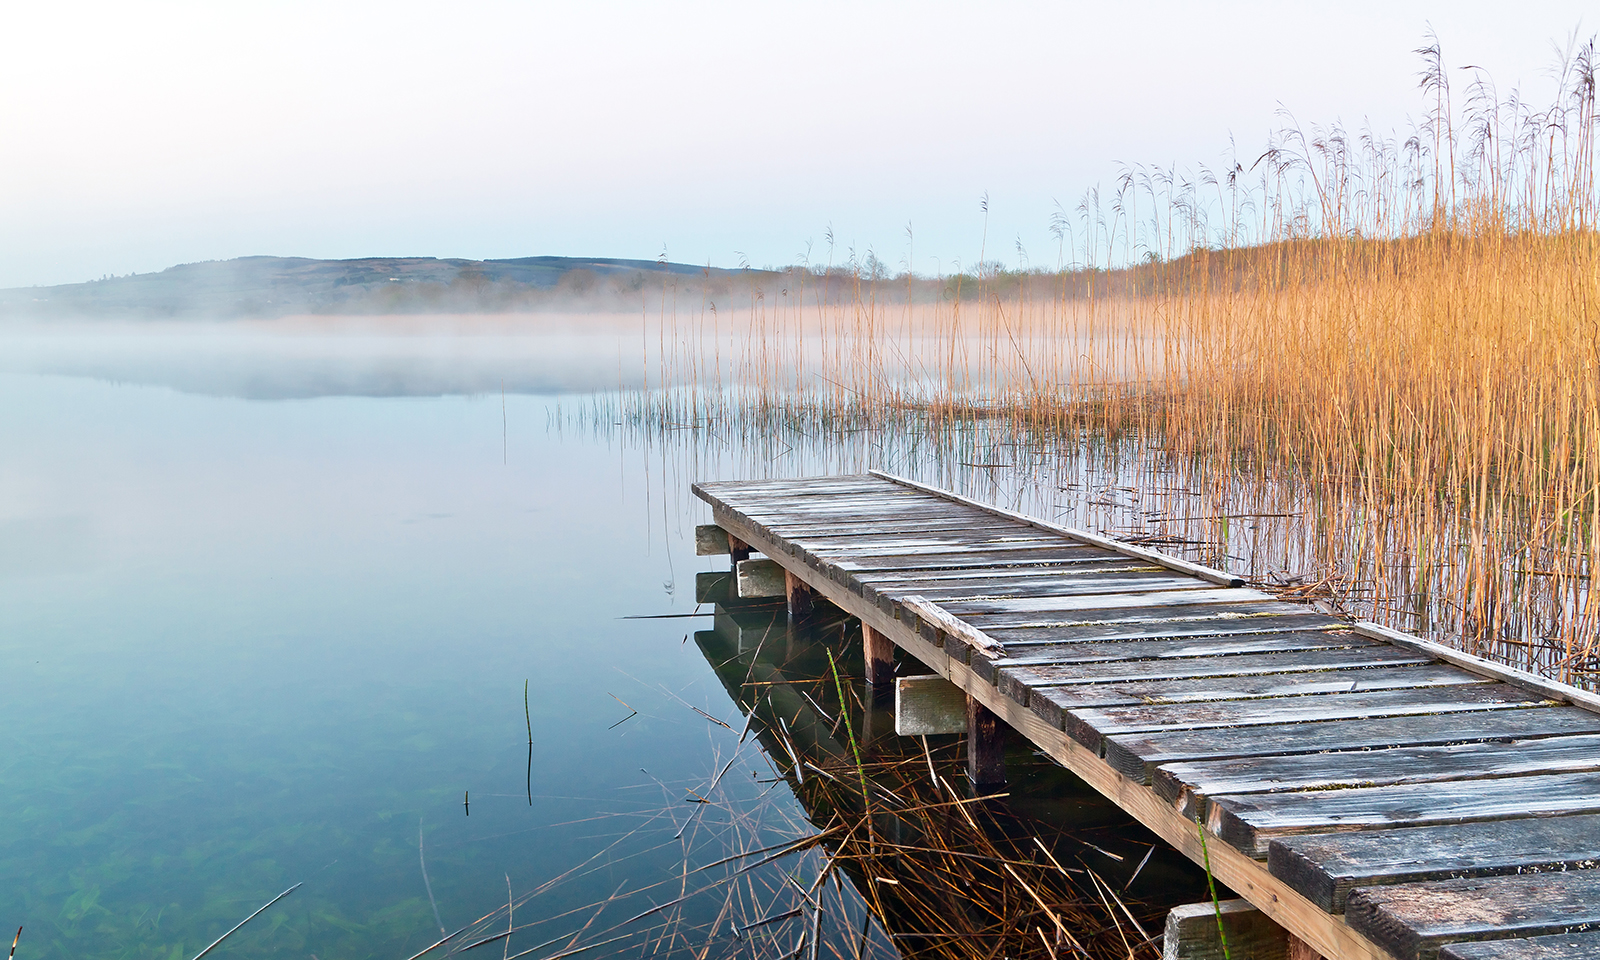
pixel 1399 339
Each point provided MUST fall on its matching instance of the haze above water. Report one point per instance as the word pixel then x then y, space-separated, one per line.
pixel 268 599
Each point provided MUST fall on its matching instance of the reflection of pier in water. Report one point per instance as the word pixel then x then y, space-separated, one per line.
pixel 781 673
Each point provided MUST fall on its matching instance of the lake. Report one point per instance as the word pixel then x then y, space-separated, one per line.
pixel 268 614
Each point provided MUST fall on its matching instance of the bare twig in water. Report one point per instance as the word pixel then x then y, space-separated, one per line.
pixel 511 907
pixel 709 717
pixel 1140 869
pixel 437 943
pixel 568 953
pixel 219 939
pixel 527 715
pixel 772 919
pixel 425 884
pixel 663 616
pixel 631 712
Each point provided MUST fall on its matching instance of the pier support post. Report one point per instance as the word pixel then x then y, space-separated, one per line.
pixel 1300 950
pixel 737 550
pixel 800 596
pixel 878 652
pixel 1192 933
pixel 986 746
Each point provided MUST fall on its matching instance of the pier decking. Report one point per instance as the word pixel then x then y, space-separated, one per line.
pixel 1376 795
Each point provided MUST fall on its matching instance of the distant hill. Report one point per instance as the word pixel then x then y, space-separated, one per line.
pixel 264 287
pixel 267 287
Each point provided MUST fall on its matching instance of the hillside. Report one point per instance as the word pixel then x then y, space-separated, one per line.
pixel 269 287
pixel 265 287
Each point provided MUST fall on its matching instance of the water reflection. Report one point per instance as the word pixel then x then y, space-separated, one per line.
pixel 944 872
pixel 246 644
pixel 339 357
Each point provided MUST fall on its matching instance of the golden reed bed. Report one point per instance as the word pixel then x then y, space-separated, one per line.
pixel 1395 341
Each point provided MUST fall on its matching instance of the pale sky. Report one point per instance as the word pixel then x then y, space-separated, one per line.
pixel 134 136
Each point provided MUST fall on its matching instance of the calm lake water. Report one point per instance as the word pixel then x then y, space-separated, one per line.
pixel 252 637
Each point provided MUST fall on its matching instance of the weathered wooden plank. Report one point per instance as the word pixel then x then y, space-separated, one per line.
pixel 1325 867
pixel 821 513
pixel 1092 725
pixel 1314 707
pixel 825 508
pixel 761 490
pixel 1119 630
pixel 1205 573
pixel 1085 562
pixel 924 706
pixel 961 559
pixel 899 545
pixel 1135 755
pixel 819 510
pixel 939 523
pixel 779 525
pixel 951 629
pixel 801 529
pixel 710 540
pixel 839 553
pixel 871 551
pixel 1114 662
pixel 1056 586
pixel 1414 920
pixel 1094 578
pixel 1191 933
pixel 975 582
pixel 1051 703
pixel 1185 784
pixel 807 494
pixel 800 489
pixel 1045 665
pixel 1559 946
pixel 1100 683
pixel 803 490
pixel 1175 615
pixel 1251 821
pixel 1050 606
pixel 1561 691
pixel 784 522
pixel 891 527
pixel 739 486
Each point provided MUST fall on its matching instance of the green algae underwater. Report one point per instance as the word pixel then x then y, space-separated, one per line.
pixel 252 641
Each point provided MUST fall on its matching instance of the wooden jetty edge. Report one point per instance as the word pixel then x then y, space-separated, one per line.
pixel 1375 794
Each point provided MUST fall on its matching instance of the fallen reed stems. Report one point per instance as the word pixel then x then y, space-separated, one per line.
pixel 213 945
pixel 828 866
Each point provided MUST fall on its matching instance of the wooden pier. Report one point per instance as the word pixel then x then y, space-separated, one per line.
pixel 1376 795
